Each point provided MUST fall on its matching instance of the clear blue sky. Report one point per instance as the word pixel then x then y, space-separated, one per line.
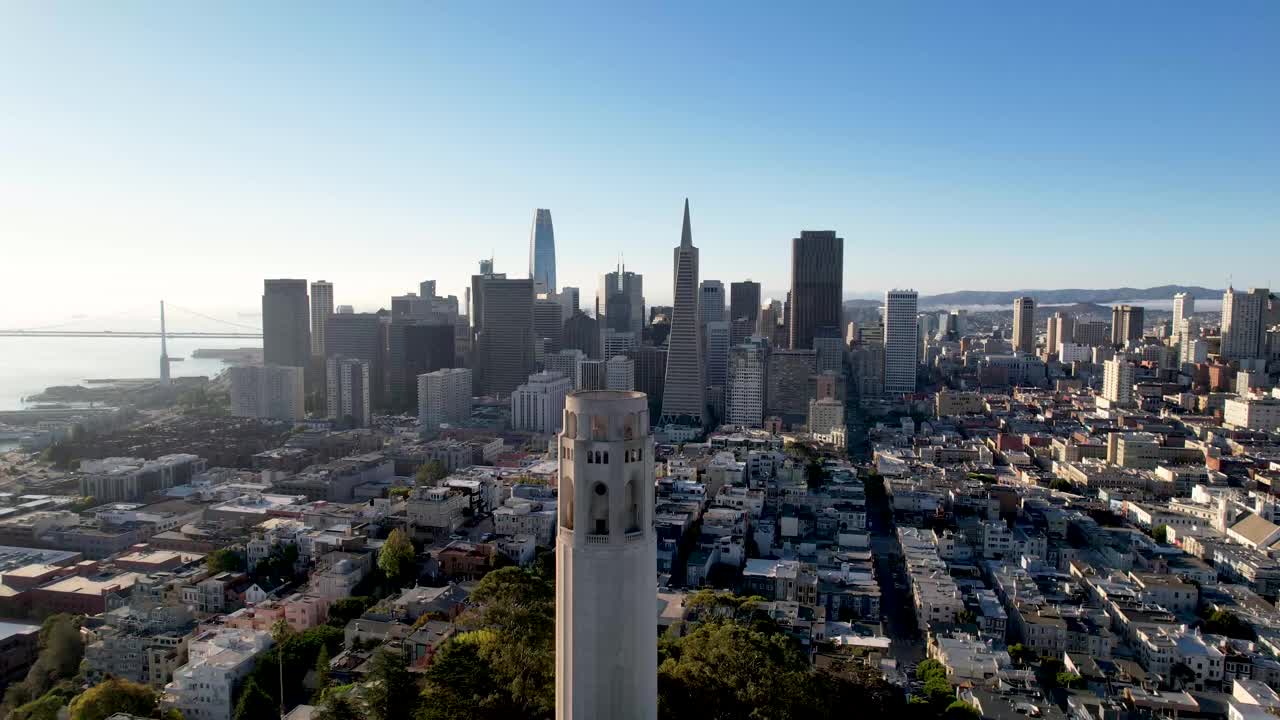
pixel 185 150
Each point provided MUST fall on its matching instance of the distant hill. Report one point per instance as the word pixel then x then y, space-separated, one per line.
pixel 1064 297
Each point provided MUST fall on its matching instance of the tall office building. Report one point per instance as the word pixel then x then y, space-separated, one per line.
pixel 745 392
pixel 1092 333
pixel 504 344
pixel 789 383
pixel 427 348
pixel 444 397
pixel 1244 333
pixel 286 323
pixel 361 336
pixel 1024 328
pixel 744 310
pixel 620 301
pixel 817 281
pixel 606 552
pixel 568 299
pixel 591 375
pixel 1126 324
pixel 538 404
pixel 1184 306
pixel 581 332
pixel 830 348
pixel 717 352
pixel 548 324
pixel 270 392
pixel 564 362
pixel 683 399
pixel 650 374
pixel 349 386
pixel 1117 381
pixel 900 341
pixel 770 321
pixel 321 309
pixel 1061 328
pixel 710 302
pixel 620 373
pixel 616 343
pixel 542 252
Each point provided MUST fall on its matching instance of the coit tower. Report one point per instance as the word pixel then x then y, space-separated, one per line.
pixel 606 560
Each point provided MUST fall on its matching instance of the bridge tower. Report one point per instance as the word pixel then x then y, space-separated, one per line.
pixel 164 350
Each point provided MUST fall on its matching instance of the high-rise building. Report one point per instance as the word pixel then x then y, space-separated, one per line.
pixel 830 348
pixel 710 302
pixel 716 337
pixel 650 374
pixel 1126 324
pixel 1024 327
pixel 866 368
pixel 538 404
pixel 620 373
pixel 789 383
pixel 1117 381
pixel 745 392
pixel 900 341
pixel 1243 330
pixel 616 343
pixel 344 309
pixel 683 398
pixel 564 362
pixel 349 386
pixel 321 309
pixel 606 552
pixel 1184 306
pixel 581 332
pixel 360 336
pixel 620 301
pixel 591 375
pixel 427 348
pixel 817 281
pixel 1092 333
pixel 825 415
pixel 770 321
pixel 504 344
pixel 542 252
pixel 286 323
pixel 568 299
pixel 444 397
pixel 744 310
pixel 1061 328
pixel 271 392
pixel 548 324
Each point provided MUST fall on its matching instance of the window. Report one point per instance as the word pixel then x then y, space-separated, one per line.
pixel 599 427
pixel 600 509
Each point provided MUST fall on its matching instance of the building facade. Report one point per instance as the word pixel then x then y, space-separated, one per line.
pixel 321 309
pixel 444 397
pixel 1024 327
pixel 537 405
pixel 269 392
pixel 744 310
pixel 900 341
pixel 683 392
pixel 817 281
pixel 286 323
pixel 542 252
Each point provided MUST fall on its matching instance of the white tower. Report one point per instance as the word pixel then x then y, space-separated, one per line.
pixel 606 560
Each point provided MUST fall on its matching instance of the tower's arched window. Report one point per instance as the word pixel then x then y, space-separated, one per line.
pixel 571 424
pixel 600 509
pixel 566 501
pixel 633 496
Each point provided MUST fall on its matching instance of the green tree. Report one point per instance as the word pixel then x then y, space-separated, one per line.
pixel 1062 485
pixel 255 703
pixel 930 669
pixel 322 670
pixel 338 706
pixel 60 651
pixel 223 560
pixel 398 493
pixel 517 609
pixel 1225 622
pixel 1021 654
pixel 344 610
pixel 112 696
pixel 960 710
pixel 1160 533
pixel 430 473
pixel 1068 679
pixel 397 558
pixel 462 685
pixel 45 707
pixel 300 651
pixel 390 693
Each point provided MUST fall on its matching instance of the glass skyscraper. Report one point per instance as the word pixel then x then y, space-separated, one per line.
pixel 542 253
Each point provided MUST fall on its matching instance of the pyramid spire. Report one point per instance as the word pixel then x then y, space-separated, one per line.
pixel 686 235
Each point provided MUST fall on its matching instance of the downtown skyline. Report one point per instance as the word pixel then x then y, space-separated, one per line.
pixel 1043 130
